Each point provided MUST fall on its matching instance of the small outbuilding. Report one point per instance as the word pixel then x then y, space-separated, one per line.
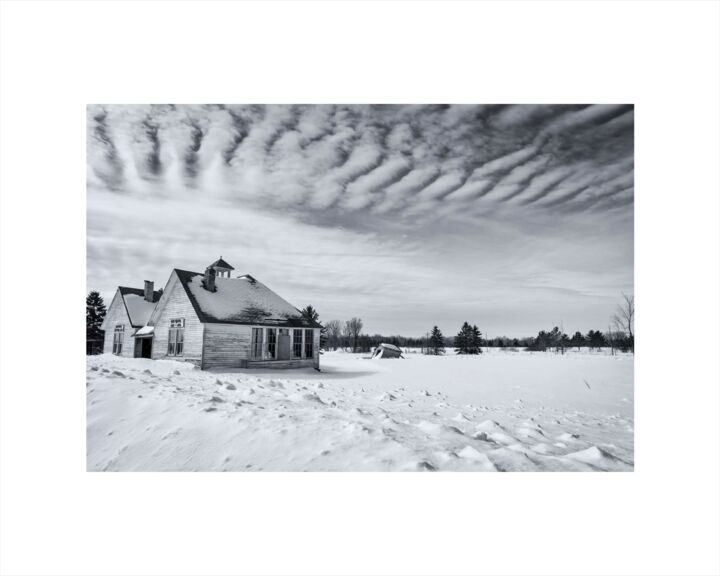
pixel 387 351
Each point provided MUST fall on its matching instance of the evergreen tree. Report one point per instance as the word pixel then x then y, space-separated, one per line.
pixel 475 341
pixel 596 339
pixel 468 340
pixel 540 342
pixel 437 342
pixel 577 340
pixel 94 315
pixel 564 342
pixel 311 314
pixel 462 340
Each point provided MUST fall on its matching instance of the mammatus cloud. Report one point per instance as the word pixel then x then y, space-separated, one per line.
pixel 515 217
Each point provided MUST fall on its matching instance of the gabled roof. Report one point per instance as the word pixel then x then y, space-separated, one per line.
pixel 220 263
pixel 138 309
pixel 242 300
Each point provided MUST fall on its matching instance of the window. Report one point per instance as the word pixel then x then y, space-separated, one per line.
pixel 271 342
pixel 176 337
pixel 257 343
pixel 308 343
pixel 118 339
pixel 297 343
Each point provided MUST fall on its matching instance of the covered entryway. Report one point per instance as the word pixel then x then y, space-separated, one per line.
pixel 144 342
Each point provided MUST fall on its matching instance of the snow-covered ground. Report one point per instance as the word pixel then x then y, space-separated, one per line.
pixel 501 411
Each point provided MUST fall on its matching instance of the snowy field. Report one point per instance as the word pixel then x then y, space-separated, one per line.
pixel 501 411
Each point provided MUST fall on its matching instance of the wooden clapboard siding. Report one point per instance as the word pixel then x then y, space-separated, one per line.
pixel 175 304
pixel 226 346
pixel 293 363
pixel 117 314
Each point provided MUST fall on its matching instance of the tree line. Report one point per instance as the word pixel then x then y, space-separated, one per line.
pixel 347 335
pixel 619 336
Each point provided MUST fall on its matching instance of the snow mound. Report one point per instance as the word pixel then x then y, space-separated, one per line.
pixel 489 426
pixel 530 432
pixel 429 427
pixel 599 458
pixel 471 453
pixel 313 397
pixel 460 417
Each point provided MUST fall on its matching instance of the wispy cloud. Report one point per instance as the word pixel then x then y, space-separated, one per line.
pixel 348 158
pixel 399 180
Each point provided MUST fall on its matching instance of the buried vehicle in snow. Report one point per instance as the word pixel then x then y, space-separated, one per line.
pixel 387 351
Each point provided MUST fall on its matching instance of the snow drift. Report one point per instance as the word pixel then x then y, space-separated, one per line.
pixel 496 412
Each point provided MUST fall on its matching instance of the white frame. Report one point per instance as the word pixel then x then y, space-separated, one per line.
pixel 266 340
pixel 292 342
pixel 265 343
pixel 254 343
pixel 118 337
pixel 312 342
pixel 176 328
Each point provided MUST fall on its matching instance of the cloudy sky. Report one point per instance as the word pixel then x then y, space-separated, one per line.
pixel 513 217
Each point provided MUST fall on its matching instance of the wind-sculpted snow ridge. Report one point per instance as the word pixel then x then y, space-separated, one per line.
pixel 164 415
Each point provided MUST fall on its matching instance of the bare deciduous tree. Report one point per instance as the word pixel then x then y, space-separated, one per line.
pixel 625 317
pixel 352 330
pixel 334 331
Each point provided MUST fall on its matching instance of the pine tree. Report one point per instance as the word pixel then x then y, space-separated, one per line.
pixel 475 341
pixel 595 339
pixel 311 314
pixel 94 315
pixel 554 337
pixel 577 340
pixel 463 341
pixel 437 342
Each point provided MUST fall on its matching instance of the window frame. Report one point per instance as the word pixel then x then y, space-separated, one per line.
pixel 297 350
pixel 118 337
pixel 257 346
pixel 308 343
pixel 176 337
pixel 271 344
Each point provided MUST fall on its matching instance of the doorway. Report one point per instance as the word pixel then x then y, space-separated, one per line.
pixel 284 345
pixel 146 348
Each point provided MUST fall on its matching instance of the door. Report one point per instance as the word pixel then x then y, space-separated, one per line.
pixel 146 347
pixel 284 345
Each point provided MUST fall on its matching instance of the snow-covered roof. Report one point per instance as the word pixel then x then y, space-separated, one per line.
pixel 144 331
pixel 242 300
pixel 390 347
pixel 138 309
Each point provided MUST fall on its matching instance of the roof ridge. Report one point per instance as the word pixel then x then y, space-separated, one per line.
pixel 187 271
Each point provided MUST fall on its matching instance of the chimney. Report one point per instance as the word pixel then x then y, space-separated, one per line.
pixel 148 290
pixel 210 279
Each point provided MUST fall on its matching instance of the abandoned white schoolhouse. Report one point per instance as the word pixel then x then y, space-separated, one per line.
pixel 212 320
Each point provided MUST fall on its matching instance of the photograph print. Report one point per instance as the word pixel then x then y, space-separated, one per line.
pixel 362 287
